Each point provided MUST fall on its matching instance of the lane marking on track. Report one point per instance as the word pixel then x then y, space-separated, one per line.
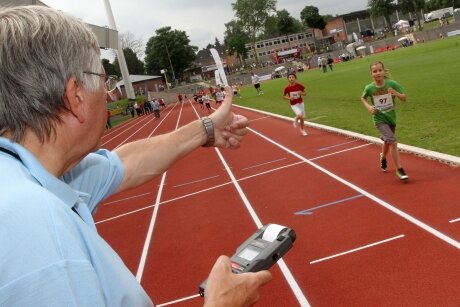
pixel 228 183
pixel 179 300
pixel 284 269
pixel 126 198
pixel 158 125
pixel 130 125
pixel 357 249
pixel 259 118
pixel 124 126
pixel 337 145
pixel 148 239
pixel 310 211
pixel 455 220
pixel 192 182
pixel 264 163
pixel 379 201
pixel 124 214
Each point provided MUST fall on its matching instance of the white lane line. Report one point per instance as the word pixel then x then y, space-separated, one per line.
pixel 332 203
pixel 224 184
pixel 379 201
pixel 284 269
pixel 144 120
pixel 455 220
pixel 179 300
pixel 357 249
pixel 124 214
pixel 129 138
pixel 192 182
pixel 259 118
pixel 126 198
pixel 148 239
pixel 336 145
pixel 265 163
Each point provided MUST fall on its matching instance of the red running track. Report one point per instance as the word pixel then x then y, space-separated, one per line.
pixel 363 237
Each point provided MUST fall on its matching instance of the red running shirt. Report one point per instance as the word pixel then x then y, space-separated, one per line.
pixel 294 92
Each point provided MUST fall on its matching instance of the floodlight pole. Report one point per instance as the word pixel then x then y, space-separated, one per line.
pixel 170 64
pixel 121 57
pixel 163 71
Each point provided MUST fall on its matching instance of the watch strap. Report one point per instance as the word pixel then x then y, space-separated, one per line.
pixel 209 129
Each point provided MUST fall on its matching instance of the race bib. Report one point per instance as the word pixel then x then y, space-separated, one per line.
pixel 294 95
pixel 383 103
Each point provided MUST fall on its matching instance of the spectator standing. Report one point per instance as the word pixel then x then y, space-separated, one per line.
pixel 330 61
pixel 156 108
pixel 324 63
pixel 256 82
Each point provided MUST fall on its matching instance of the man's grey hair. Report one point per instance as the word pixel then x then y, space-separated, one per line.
pixel 40 50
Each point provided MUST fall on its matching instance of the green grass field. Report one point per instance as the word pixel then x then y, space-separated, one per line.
pixel 429 73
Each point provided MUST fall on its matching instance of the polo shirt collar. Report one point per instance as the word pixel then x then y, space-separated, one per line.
pixel 53 184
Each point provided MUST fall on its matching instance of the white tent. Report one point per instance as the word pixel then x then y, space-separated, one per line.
pixel 280 68
pixel 402 24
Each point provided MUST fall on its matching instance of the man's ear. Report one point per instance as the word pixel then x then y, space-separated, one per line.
pixel 73 98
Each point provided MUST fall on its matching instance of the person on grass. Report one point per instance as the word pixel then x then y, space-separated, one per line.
pixel 255 79
pixel 379 98
pixel 53 174
pixel 294 92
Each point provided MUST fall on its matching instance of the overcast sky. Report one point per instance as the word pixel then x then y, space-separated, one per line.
pixel 202 20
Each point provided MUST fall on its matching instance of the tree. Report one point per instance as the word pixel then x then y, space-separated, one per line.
pixel 109 68
pixel 412 6
pixel 271 28
pixel 169 49
pixel 135 66
pixel 235 40
pixel 217 43
pixel 127 40
pixel 310 17
pixel 432 5
pixel 287 24
pixel 382 8
pixel 252 14
pixel 282 23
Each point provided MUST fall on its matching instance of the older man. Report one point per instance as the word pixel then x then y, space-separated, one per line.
pixel 52 97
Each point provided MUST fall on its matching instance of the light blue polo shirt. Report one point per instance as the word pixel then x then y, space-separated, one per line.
pixel 49 255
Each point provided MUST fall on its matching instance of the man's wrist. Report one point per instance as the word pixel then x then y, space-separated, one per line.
pixel 209 130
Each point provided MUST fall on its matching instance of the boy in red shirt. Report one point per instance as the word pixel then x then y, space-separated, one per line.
pixel 294 92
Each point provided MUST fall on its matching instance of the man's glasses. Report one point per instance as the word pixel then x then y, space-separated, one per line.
pixel 110 82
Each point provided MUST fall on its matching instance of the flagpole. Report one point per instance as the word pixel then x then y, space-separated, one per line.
pixel 121 57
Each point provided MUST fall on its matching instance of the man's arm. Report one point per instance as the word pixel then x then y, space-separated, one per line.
pixel 147 158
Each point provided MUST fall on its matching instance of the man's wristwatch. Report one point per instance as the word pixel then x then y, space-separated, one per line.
pixel 209 128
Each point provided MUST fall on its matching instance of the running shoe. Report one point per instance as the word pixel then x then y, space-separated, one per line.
pixel 304 133
pixel 294 123
pixel 401 174
pixel 383 163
